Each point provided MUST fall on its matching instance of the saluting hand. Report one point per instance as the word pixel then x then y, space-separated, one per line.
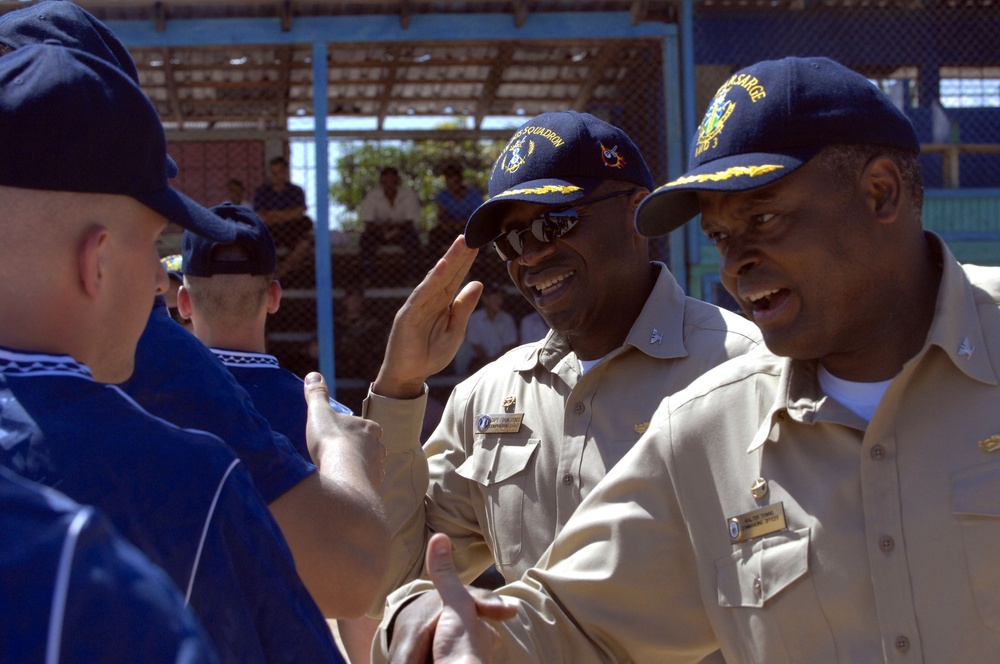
pixel 430 326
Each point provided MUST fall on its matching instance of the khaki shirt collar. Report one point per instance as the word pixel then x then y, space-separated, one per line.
pixel 956 329
pixel 657 332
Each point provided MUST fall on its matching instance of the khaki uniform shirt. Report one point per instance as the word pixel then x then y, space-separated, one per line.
pixel 875 541
pixel 503 493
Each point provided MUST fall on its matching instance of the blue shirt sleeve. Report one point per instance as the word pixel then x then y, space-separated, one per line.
pixel 179 379
pixel 69 582
pixel 252 549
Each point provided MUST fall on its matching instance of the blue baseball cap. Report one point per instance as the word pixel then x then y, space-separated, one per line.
pixel 765 122
pixel 68 24
pixel 259 256
pixel 70 121
pixel 556 159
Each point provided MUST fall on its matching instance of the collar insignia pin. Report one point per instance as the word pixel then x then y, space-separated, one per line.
pixel 509 403
pixel 991 444
pixel 966 349
pixel 655 337
pixel 759 488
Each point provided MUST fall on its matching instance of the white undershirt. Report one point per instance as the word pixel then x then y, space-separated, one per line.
pixel 860 398
pixel 587 365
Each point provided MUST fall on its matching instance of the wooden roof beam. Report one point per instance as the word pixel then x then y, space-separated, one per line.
pixel 387 86
pixel 404 13
pixel 605 56
pixel 161 16
pixel 282 84
pixel 492 83
pixel 520 12
pixel 639 10
pixel 285 12
pixel 175 102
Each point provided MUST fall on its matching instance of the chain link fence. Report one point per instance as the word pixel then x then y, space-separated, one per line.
pixel 939 61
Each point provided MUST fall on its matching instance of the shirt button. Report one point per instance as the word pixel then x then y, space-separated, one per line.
pixel 878 452
pixel 886 543
pixel 758 587
pixel 579 408
pixel 902 643
pixel 567 479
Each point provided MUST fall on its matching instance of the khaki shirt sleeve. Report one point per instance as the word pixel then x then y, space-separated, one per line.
pixel 455 503
pixel 620 583
pixel 424 492
pixel 403 488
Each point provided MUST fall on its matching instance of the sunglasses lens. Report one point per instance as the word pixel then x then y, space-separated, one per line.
pixel 554 224
pixel 546 228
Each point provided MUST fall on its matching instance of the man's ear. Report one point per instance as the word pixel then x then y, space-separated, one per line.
pixel 91 256
pixel 273 296
pixel 883 186
pixel 184 302
pixel 633 203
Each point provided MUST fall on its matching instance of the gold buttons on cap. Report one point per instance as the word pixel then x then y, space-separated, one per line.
pixel 759 488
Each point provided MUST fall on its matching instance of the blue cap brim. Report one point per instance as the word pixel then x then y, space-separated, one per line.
pixel 671 206
pixel 183 211
pixel 171 168
pixel 484 224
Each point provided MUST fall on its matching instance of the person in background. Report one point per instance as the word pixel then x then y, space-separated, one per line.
pixel 455 204
pixel 172 264
pixel 531 328
pixel 491 331
pixel 282 206
pixel 228 292
pixel 236 194
pixel 389 214
pixel 359 338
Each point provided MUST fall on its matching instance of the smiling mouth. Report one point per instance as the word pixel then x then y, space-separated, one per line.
pixel 549 285
pixel 762 300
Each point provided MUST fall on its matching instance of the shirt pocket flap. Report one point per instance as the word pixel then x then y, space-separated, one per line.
pixel 496 463
pixel 761 569
pixel 977 492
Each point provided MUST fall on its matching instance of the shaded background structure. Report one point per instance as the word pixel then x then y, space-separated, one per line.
pixel 422 82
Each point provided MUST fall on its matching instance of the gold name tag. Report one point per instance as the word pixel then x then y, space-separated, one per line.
pixel 760 522
pixel 502 423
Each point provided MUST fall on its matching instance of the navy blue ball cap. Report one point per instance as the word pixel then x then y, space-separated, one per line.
pixel 65 23
pixel 199 257
pixel 765 122
pixel 556 159
pixel 68 24
pixel 70 121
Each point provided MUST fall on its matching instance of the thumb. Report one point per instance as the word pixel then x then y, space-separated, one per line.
pixel 316 389
pixel 441 570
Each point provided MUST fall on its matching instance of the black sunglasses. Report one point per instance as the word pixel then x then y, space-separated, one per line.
pixel 546 228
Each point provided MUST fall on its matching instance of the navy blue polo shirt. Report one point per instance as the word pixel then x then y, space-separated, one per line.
pixel 181 496
pixel 277 393
pixel 72 589
pixel 178 378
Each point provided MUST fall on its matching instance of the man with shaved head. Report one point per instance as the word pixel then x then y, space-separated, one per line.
pixel 84 198
pixel 329 512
